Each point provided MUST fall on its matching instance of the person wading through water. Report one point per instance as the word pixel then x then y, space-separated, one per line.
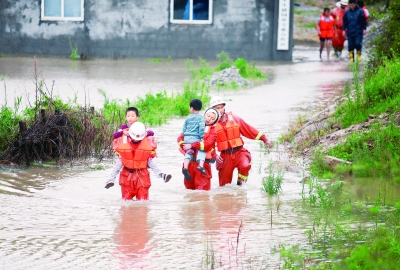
pixel 229 142
pixel 325 31
pixel 354 27
pixel 338 38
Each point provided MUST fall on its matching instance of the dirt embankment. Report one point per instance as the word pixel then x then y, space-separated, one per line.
pixel 322 130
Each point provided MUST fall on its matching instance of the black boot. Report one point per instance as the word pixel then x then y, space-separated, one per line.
pixel 186 174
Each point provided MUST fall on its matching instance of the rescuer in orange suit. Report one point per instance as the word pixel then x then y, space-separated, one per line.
pixel 199 180
pixel 338 38
pixel 229 142
pixel 135 150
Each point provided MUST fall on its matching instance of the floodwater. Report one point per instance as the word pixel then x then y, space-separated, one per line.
pixel 64 218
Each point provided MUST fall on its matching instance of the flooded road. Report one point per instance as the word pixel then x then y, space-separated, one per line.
pixel 66 219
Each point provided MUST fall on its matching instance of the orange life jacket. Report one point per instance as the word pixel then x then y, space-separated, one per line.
pixel 207 130
pixel 135 158
pixel 117 141
pixel 338 13
pixel 228 136
pixel 326 27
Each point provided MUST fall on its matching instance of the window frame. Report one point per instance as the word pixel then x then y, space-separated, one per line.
pixel 191 21
pixel 62 18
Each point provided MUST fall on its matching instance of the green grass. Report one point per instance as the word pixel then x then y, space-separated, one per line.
pixel 373 153
pixel 8 126
pixel 247 71
pixel 380 93
pixel 387 45
pixel 156 109
pixel 307 12
pixel 346 233
pixel 156 60
pixel 74 51
pixel 307 25
pixel 272 183
pixel 350 229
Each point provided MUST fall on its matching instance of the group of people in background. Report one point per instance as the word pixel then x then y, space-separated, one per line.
pixel 199 141
pixel 348 20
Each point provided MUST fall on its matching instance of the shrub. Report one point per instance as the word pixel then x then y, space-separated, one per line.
pixel 272 183
pixel 387 44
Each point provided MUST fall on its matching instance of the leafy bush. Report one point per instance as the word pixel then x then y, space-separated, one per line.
pixel 387 44
pixel 245 70
pixel 200 73
pixel 224 61
pixel 383 84
pixel 8 126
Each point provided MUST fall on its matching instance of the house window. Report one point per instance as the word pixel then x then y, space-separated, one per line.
pixel 62 10
pixel 191 11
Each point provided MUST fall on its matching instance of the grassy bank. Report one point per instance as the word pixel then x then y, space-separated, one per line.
pixel 355 209
pixel 373 151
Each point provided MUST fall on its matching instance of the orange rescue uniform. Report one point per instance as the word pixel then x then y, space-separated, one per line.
pixel 338 38
pixel 229 129
pixel 134 177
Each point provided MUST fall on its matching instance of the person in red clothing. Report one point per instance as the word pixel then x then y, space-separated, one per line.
pixel 132 115
pixel 199 180
pixel 325 30
pixel 229 142
pixel 135 151
pixel 364 8
pixel 338 38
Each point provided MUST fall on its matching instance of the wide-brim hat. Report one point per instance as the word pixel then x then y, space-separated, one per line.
pixel 344 2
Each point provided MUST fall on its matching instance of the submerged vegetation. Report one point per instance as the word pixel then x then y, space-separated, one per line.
pixel 74 51
pixel 349 231
pixel 272 183
pixel 224 61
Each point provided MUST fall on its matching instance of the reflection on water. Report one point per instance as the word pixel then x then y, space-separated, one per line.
pixel 66 219
pixel 131 236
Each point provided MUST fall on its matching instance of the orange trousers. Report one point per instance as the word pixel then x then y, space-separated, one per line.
pixel 134 184
pixel 240 160
pixel 199 181
pixel 338 39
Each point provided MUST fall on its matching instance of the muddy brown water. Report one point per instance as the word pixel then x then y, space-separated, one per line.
pixel 64 218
